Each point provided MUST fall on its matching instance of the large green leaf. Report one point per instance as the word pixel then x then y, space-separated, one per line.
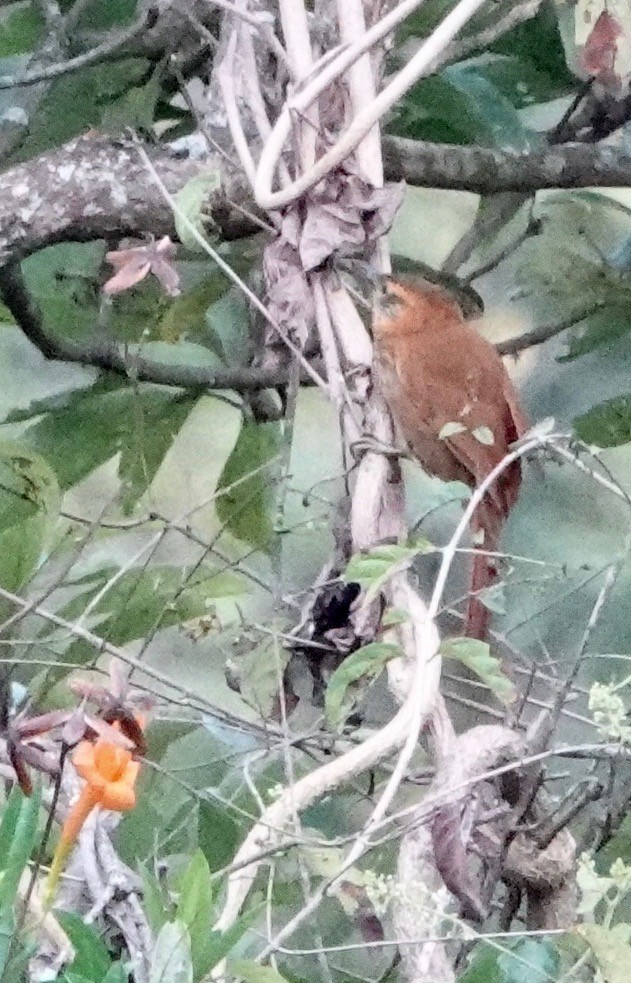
pixel 65 281
pixel 171 958
pixel 168 813
pixel 462 105
pixel 156 905
pixel 29 509
pixel 191 200
pixel 421 22
pixel 365 664
pixel 224 942
pixel 538 41
pixel 23 825
pixel 371 570
pixel 528 961
pixel 20 30
pixel 117 973
pixel 219 834
pixel 135 108
pixel 186 318
pixel 195 910
pixel 602 329
pixel 77 102
pixel 253 972
pixel 247 509
pixel 522 81
pixel 606 425
pixel 99 16
pixel 92 959
pixel 96 424
pixel 155 426
pixel 499 121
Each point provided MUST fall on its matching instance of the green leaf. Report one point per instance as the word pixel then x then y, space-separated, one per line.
pixel 99 423
pixel 247 510
pixel 366 664
pixel 606 425
pixel 64 282
pixel 136 108
pixel 493 598
pixel 258 671
pixel 186 318
pixel 25 826
pixel 373 569
pixel 394 616
pixel 29 510
pixel 155 903
pixel 252 972
pixel 218 835
pixel 477 657
pixel 98 16
pixel 499 121
pixel 148 598
pixel 171 958
pixel 601 329
pixel 150 438
pixel 421 22
pixel 195 910
pixel 10 815
pixel 228 327
pixel 116 974
pixel 529 961
pixel 538 42
pixel 223 942
pixel 92 958
pixel 520 80
pixel 77 102
pixel 191 200
pixel 461 105
pixel 611 949
pixel 21 30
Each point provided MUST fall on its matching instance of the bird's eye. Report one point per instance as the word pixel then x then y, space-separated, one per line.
pixel 389 301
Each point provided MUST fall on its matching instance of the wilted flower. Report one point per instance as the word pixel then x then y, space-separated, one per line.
pixel 110 774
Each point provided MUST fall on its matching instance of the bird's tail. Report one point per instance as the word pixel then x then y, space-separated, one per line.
pixel 488 519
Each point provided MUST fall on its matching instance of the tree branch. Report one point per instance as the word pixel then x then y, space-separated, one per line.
pixel 96 187
pixel 109 357
pixel 489 171
pixel 537 336
pixel 95 55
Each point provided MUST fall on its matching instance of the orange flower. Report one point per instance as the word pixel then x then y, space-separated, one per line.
pixel 110 774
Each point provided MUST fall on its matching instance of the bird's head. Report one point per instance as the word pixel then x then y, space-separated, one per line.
pixel 409 307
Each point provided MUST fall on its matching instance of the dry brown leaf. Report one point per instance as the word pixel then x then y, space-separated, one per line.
pixel 134 263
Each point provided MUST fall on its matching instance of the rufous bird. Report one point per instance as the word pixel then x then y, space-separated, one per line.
pixel 434 370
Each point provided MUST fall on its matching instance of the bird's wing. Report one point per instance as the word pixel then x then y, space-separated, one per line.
pixel 482 443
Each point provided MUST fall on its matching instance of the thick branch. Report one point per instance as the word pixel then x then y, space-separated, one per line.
pixel 96 187
pixel 488 171
pixel 109 357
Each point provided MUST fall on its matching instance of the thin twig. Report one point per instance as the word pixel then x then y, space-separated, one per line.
pixel 543 333
pixel 100 53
